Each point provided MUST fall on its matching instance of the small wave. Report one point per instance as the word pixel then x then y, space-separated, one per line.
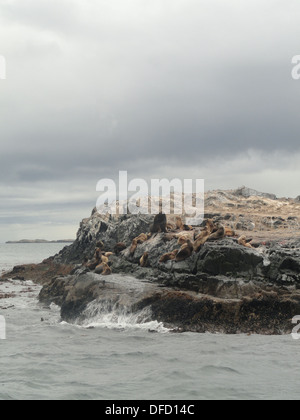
pixel 219 369
pixel 105 315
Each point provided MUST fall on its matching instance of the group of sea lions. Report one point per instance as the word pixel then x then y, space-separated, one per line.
pixel 189 239
pixel 100 261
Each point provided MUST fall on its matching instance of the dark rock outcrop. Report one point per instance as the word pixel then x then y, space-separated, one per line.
pixel 223 288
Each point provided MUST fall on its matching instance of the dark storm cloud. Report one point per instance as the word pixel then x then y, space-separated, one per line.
pixel 155 88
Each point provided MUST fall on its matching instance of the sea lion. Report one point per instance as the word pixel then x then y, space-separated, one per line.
pixel 97 254
pixel 188 227
pixel 143 237
pixel 185 251
pixel 168 256
pixel 243 241
pixel 179 223
pixel 201 239
pixel 184 236
pixel 133 246
pixel 144 260
pixel 104 259
pixel 169 237
pixel 219 234
pixel 210 225
pixel 159 224
pixel 103 269
pixel 229 231
pixel 170 226
pixel 93 264
pixel 108 254
pixel 95 261
pixel 119 247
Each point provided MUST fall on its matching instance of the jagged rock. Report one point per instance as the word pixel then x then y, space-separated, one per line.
pixel 248 192
pixel 224 287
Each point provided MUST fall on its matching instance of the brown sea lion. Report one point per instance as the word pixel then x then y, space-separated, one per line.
pixel 210 225
pixel 229 231
pixel 143 237
pixel 168 256
pixel 104 259
pixel 219 234
pixel 103 269
pixel 108 254
pixel 93 264
pixel 133 246
pixel 95 261
pixel 170 226
pixel 185 251
pixel 179 223
pixel 97 254
pixel 201 239
pixel 144 260
pixel 183 237
pixel 169 237
pixel 120 246
pixel 243 241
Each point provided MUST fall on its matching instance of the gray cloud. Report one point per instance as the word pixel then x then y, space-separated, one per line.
pixel 184 87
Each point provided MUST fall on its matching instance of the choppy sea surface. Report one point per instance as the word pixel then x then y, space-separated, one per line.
pixel 111 357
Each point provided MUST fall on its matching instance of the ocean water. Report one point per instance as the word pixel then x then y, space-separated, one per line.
pixel 111 356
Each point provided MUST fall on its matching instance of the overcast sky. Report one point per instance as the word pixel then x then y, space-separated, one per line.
pixel 160 88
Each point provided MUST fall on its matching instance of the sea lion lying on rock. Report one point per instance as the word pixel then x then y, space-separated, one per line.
pixel 97 259
pixel 119 247
pixel 201 239
pixel 168 256
pixel 183 237
pixel 143 237
pixel 185 251
pixel 219 234
pixel 103 269
pixel 170 226
pixel 229 232
pixel 243 241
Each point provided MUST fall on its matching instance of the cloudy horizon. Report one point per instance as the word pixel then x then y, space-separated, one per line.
pixel 179 88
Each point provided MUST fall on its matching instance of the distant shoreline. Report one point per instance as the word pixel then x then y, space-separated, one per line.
pixel 41 241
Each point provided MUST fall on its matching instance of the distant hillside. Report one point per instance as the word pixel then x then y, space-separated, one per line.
pixel 40 241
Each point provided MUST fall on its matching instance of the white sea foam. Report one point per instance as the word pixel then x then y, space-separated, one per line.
pixel 112 316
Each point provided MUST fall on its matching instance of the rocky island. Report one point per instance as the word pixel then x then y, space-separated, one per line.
pixel 244 281
pixel 41 241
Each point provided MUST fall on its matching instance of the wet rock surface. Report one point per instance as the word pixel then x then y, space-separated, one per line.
pixel 225 287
